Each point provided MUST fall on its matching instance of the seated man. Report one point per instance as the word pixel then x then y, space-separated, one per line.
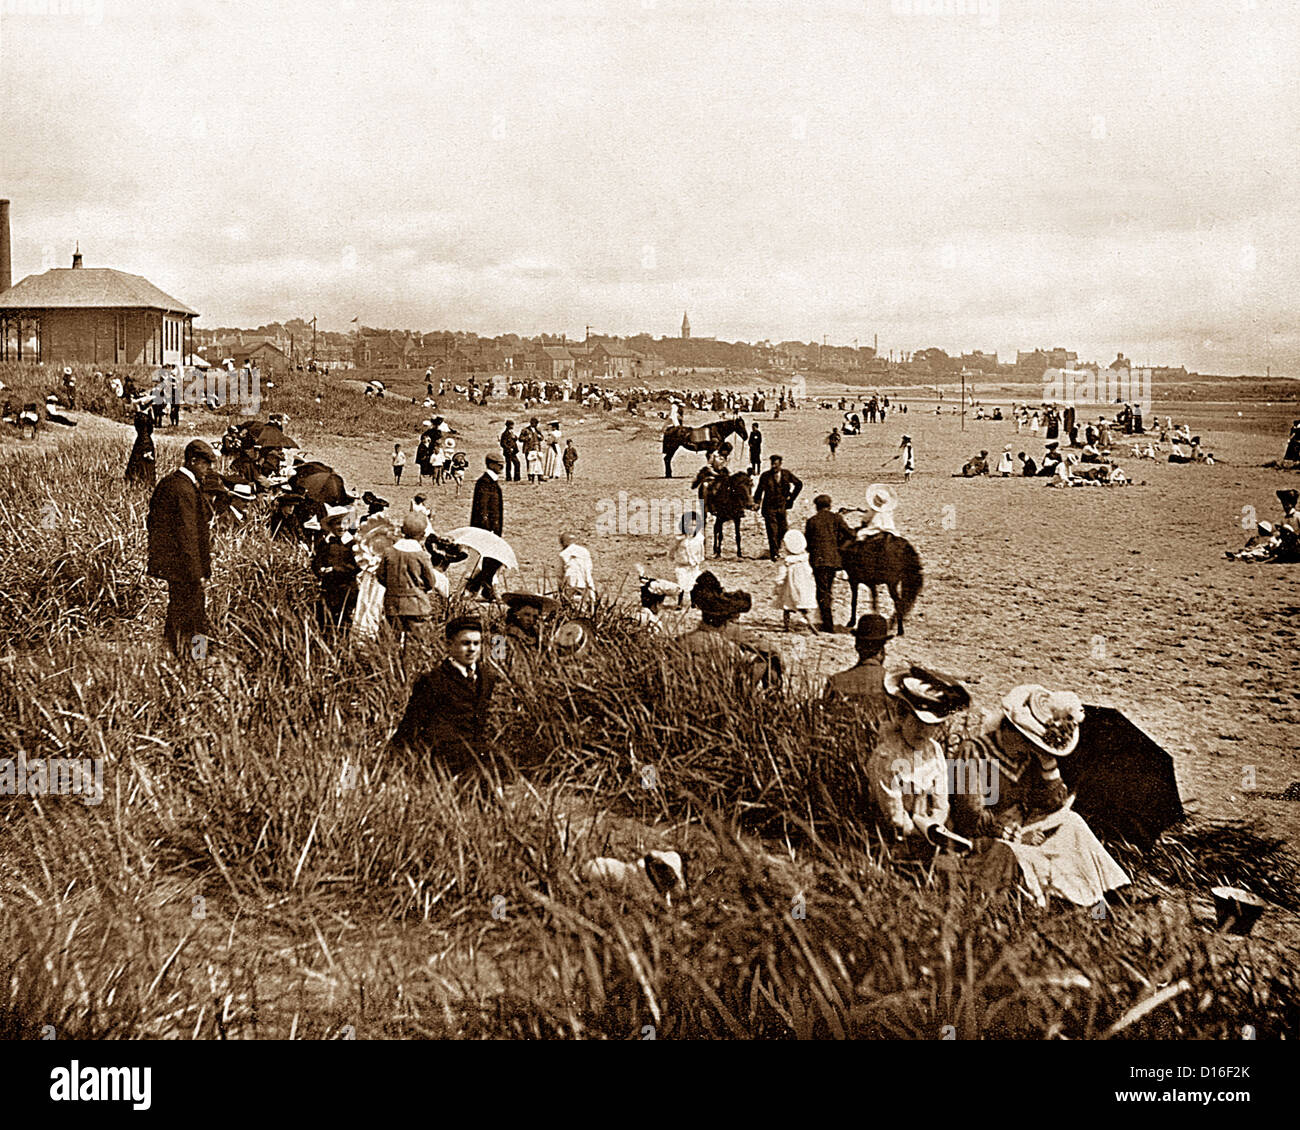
pixel 976 465
pixel 863 684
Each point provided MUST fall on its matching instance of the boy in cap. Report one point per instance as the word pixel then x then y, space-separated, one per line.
pixel 446 716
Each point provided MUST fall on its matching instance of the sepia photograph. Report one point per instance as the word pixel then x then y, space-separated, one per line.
pixel 641 520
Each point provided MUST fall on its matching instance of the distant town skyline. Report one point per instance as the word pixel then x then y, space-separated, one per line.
pixel 1085 173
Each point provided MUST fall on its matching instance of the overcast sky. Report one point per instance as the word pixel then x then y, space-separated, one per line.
pixel 1098 175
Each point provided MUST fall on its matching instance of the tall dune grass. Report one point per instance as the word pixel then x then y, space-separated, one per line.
pixel 262 866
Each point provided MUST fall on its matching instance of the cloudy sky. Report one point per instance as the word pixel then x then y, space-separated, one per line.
pixel 991 174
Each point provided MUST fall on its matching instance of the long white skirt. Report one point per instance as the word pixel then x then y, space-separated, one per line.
pixel 369 614
pixel 1070 863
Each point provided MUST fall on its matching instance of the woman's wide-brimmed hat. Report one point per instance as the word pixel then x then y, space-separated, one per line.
pixel 1288 497
pixel 517 600
pixel 710 598
pixel 1048 719
pixel 930 696
pixel 880 498
pixel 574 635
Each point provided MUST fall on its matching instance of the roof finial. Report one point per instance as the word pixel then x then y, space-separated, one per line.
pixel 76 257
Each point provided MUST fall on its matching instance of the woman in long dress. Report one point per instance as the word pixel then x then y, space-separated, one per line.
pixel 551 463
pixel 141 466
pixel 1023 826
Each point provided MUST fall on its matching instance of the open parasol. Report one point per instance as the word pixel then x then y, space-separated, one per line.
pixel 486 544
pixel 271 436
pixel 322 483
pixel 1123 780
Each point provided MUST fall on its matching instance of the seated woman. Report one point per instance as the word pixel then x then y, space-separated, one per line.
pixel 523 633
pixel 906 771
pixel 1177 454
pixel 1025 830
pixel 1090 454
pixel 653 594
pixel 1029 468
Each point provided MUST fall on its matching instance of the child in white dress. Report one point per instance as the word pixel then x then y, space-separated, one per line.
pixel 796 589
pixel 688 553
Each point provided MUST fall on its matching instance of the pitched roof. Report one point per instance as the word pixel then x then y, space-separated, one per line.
pixel 79 287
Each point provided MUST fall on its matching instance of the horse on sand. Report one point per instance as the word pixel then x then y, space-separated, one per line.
pixel 705 439
pixel 728 498
pixel 887 559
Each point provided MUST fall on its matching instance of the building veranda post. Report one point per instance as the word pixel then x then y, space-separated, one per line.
pixel 95 315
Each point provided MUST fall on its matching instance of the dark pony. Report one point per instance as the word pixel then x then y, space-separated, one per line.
pixel 886 559
pixel 705 439
pixel 728 498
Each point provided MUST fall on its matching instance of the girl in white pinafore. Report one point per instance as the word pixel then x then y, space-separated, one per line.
pixel 796 588
pixel 688 553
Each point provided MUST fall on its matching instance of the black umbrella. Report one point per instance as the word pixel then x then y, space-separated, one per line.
pixel 1122 779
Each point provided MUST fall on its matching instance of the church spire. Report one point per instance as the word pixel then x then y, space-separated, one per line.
pixel 686 325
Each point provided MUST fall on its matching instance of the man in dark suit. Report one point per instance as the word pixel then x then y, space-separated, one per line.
pixel 777 490
pixel 446 715
pixel 485 514
pixel 827 533
pixel 179 550
pixel 510 451
pixel 755 450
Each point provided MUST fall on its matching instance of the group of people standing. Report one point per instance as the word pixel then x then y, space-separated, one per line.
pixel 541 451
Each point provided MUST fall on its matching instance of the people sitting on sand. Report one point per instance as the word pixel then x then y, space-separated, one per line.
pixel 1090 454
pixel 1028 468
pixel 1052 459
pixel 1280 542
pixel 1024 830
pixel 976 465
pixel 1178 453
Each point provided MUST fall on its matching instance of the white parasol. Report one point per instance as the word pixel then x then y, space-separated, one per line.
pixel 486 544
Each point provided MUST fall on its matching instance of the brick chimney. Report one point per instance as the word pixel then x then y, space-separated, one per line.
pixel 6 263
pixel 76 258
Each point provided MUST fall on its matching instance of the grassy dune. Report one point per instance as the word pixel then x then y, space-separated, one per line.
pixel 260 867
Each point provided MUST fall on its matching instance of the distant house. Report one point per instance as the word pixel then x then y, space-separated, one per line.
pixel 613 362
pixel 648 366
pixel 266 356
pixel 383 349
pixel 95 315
